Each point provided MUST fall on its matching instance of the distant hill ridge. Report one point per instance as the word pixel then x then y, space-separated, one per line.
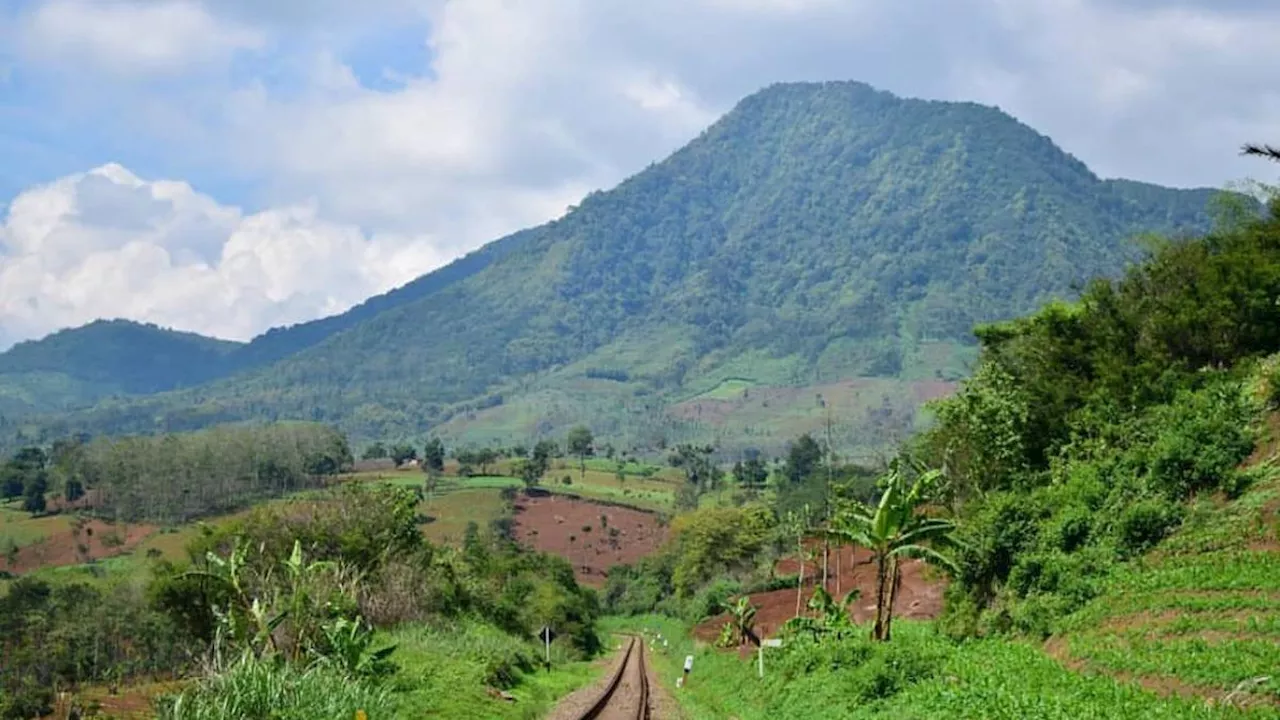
pixel 820 234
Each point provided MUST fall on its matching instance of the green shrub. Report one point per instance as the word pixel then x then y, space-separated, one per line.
pixel 1145 523
pixel 28 700
pixel 712 600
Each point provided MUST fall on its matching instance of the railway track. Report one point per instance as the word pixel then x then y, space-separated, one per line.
pixel 626 695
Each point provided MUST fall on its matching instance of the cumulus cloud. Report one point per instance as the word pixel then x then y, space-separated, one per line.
pixel 108 244
pixel 161 36
pixel 513 111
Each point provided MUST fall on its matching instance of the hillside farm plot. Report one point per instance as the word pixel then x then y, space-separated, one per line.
pixel 592 536
pixel 654 491
pixel 18 528
pixel 1198 618
pixel 85 542
pixel 449 514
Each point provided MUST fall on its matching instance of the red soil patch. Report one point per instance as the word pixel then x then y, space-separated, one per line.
pixel 97 540
pixel 547 523
pixel 919 597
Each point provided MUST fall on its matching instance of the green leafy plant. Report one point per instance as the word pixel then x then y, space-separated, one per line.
pixel 896 529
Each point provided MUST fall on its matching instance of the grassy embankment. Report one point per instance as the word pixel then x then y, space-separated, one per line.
pixel 1190 631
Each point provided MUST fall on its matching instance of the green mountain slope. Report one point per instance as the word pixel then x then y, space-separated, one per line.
pixel 817 234
pixel 72 368
pixel 279 343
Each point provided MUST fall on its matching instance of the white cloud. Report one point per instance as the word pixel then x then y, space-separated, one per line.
pixel 109 244
pixel 526 106
pixel 160 36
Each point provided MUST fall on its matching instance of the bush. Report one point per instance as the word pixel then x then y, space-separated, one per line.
pixel 712 599
pixel 1198 440
pixel 856 669
pixel 1145 523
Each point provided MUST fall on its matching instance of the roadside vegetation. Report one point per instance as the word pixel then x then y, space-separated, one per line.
pixel 300 608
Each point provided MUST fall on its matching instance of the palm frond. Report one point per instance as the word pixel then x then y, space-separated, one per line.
pixel 927 554
pixel 1266 151
pixel 930 531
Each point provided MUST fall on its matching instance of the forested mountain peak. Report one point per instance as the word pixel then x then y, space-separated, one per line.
pixel 816 234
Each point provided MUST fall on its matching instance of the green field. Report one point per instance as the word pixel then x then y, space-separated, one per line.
pixel 451 512
pixel 654 492
pixel 18 528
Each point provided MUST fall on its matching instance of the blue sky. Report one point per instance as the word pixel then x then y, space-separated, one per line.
pixel 296 156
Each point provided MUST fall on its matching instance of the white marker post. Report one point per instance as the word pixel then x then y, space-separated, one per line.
pixel 771 642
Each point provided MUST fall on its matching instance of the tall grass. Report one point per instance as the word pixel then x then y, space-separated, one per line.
pixel 446 669
pixel 264 689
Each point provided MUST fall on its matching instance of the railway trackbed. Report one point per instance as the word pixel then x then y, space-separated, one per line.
pixel 626 694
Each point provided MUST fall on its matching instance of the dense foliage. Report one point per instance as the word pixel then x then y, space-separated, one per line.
pixel 1088 427
pixel 730 545
pixel 817 232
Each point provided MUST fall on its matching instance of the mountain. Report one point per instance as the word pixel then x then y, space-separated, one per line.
pixel 75 368
pixel 823 249
pixel 279 343
pixel 108 357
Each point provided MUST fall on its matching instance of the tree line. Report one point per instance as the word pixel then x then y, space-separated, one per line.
pixel 175 478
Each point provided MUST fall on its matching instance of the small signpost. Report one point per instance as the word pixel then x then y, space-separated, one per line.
pixel 547 635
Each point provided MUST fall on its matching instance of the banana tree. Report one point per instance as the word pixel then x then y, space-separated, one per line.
pixel 744 621
pixel 895 529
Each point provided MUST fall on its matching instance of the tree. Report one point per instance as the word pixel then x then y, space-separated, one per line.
pixel 433 455
pixel 376 451
pixel 30 458
pixel 896 529
pixel 12 481
pixel 744 621
pixel 485 457
pixel 803 458
pixel 37 484
pixel 401 454
pixel 700 471
pixel 73 490
pixel 751 474
pixel 536 465
pixel 580 444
